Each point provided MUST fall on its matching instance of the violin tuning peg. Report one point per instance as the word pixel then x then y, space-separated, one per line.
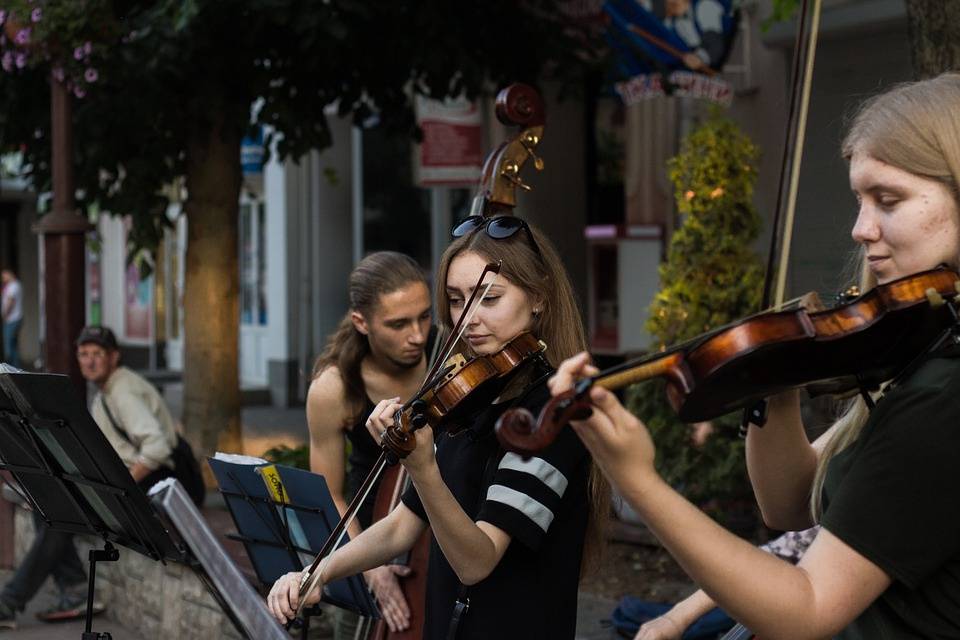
pixel 934 297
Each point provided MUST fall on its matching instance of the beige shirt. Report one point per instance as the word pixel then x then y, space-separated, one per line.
pixel 140 411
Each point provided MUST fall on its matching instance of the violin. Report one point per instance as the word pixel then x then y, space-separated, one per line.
pixel 463 387
pixel 855 346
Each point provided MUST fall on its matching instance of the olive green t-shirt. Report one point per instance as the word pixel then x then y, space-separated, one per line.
pixel 894 497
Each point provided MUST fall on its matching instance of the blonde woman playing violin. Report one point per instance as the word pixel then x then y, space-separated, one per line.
pixel 882 483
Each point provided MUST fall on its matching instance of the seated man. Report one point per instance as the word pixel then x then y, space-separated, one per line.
pixel 137 423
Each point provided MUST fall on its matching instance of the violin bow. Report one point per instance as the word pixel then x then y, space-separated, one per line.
pixel 801 79
pixel 791 160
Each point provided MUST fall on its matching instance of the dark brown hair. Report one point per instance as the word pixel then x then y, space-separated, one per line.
pixel 544 280
pixel 378 274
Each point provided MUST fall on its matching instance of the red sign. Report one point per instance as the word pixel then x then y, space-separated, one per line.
pixel 452 149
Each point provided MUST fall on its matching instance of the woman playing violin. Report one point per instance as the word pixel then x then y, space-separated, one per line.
pixel 511 530
pixel 881 482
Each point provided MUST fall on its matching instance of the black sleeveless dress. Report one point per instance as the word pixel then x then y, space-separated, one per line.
pixel 364 452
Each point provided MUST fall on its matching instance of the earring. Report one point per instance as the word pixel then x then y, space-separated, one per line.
pixel 537 311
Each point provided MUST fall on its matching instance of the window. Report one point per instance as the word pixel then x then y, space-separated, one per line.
pixel 253 264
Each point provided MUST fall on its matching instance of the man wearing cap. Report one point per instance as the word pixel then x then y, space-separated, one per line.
pixel 128 409
pixel 138 425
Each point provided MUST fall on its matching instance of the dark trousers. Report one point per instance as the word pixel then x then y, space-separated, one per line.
pixel 52 553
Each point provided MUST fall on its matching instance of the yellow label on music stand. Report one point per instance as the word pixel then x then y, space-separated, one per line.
pixel 271 478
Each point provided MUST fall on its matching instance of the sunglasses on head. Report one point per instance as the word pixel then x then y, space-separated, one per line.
pixel 498 228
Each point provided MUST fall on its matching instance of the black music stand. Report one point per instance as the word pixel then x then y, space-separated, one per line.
pixel 284 536
pixel 71 476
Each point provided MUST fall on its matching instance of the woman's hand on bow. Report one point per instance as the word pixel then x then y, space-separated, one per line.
pixel 284 596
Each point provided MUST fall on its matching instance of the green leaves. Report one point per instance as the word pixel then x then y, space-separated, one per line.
pixel 711 277
pixel 171 64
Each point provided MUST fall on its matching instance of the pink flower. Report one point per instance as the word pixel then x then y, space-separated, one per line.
pixel 91 75
pixel 7 61
pixel 3 16
pixel 20 60
pixel 36 15
pixel 79 92
pixel 23 36
pixel 78 53
pixel 87 48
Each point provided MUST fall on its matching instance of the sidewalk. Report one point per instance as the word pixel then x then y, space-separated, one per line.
pixel 29 628
pixel 263 426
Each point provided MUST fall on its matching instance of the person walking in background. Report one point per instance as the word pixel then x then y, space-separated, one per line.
pixel 11 306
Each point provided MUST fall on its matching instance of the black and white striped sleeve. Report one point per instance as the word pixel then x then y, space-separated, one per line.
pixel 525 496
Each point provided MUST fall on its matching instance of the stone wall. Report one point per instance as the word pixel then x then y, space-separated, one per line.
pixel 158 601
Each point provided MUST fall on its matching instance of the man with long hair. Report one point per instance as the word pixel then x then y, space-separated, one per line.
pixel 376 353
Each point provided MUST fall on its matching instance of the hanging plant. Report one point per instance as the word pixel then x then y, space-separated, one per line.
pixel 70 39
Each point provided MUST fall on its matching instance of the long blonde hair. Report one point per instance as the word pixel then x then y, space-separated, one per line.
pixel 915 127
pixel 559 324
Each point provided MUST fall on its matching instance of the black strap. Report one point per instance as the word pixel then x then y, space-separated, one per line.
pixel 462 605
pixel 113 421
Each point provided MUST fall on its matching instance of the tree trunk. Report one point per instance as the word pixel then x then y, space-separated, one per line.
pixel 211 381
pixel 934 36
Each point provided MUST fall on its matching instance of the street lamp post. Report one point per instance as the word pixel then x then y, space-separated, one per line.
pixel 63 230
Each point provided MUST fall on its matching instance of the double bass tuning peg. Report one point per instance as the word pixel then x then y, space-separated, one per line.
pixel 511 171
pixel 530 141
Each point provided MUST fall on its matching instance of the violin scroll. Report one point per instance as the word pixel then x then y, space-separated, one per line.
pixel 398 440
pixel 518 431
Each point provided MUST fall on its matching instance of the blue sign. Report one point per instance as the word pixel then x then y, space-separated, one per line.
pixel 251 153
